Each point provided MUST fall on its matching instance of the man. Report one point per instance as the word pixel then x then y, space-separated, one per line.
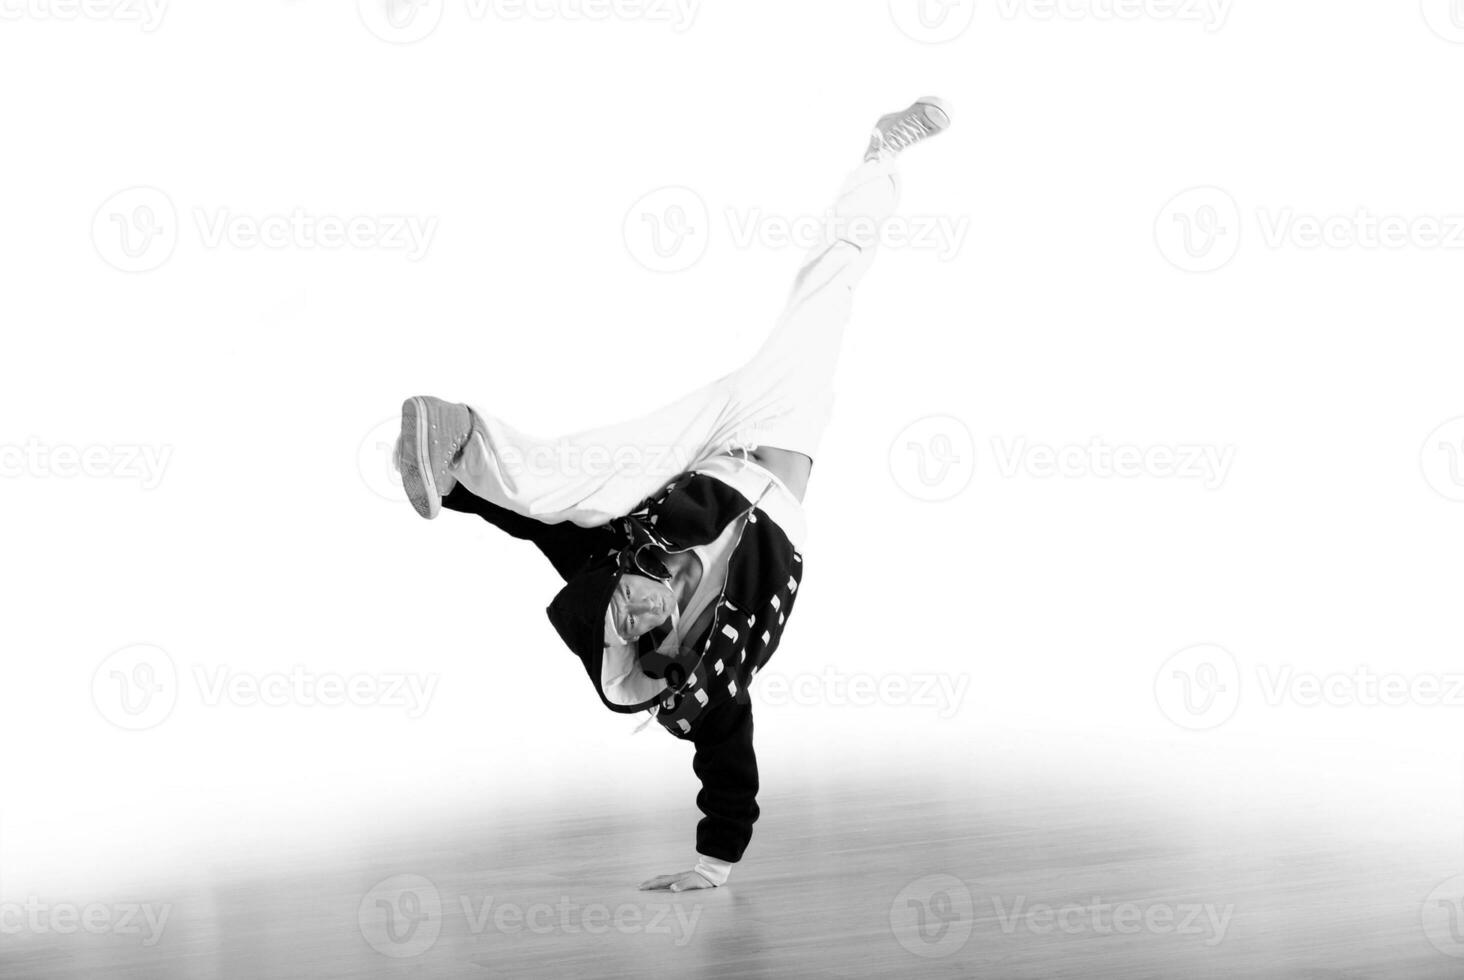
pixel 680 534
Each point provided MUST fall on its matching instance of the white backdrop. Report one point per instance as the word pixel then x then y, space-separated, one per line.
pixel 1169 362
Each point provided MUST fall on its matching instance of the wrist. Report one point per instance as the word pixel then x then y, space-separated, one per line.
pixel 712 869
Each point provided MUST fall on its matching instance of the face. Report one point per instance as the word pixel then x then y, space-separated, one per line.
pixel 640 604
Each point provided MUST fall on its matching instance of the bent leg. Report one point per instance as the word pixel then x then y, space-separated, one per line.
pixel 592 477
pixel 567 546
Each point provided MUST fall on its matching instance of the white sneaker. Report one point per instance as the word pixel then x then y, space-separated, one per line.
pixel 899 130
pixel 433 435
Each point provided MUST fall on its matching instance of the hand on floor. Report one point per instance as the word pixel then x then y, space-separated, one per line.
pixel 684 882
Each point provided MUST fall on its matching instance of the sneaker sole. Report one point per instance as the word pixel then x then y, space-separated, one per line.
pixel 415 464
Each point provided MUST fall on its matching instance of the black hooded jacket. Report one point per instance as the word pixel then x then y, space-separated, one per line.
pixel 706 701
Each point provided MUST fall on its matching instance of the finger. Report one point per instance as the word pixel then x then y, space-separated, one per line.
pixel 660 881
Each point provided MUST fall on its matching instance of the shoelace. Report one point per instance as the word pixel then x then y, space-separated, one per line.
pixel 907 131
pixel 455 446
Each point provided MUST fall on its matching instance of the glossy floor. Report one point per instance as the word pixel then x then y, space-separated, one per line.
pixel 995 876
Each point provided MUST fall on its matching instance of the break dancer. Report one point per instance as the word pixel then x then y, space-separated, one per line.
pixel 679 535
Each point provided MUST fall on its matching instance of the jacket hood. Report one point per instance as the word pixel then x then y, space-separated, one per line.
pixel 578 616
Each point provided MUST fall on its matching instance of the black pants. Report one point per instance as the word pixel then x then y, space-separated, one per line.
pixel 567 546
